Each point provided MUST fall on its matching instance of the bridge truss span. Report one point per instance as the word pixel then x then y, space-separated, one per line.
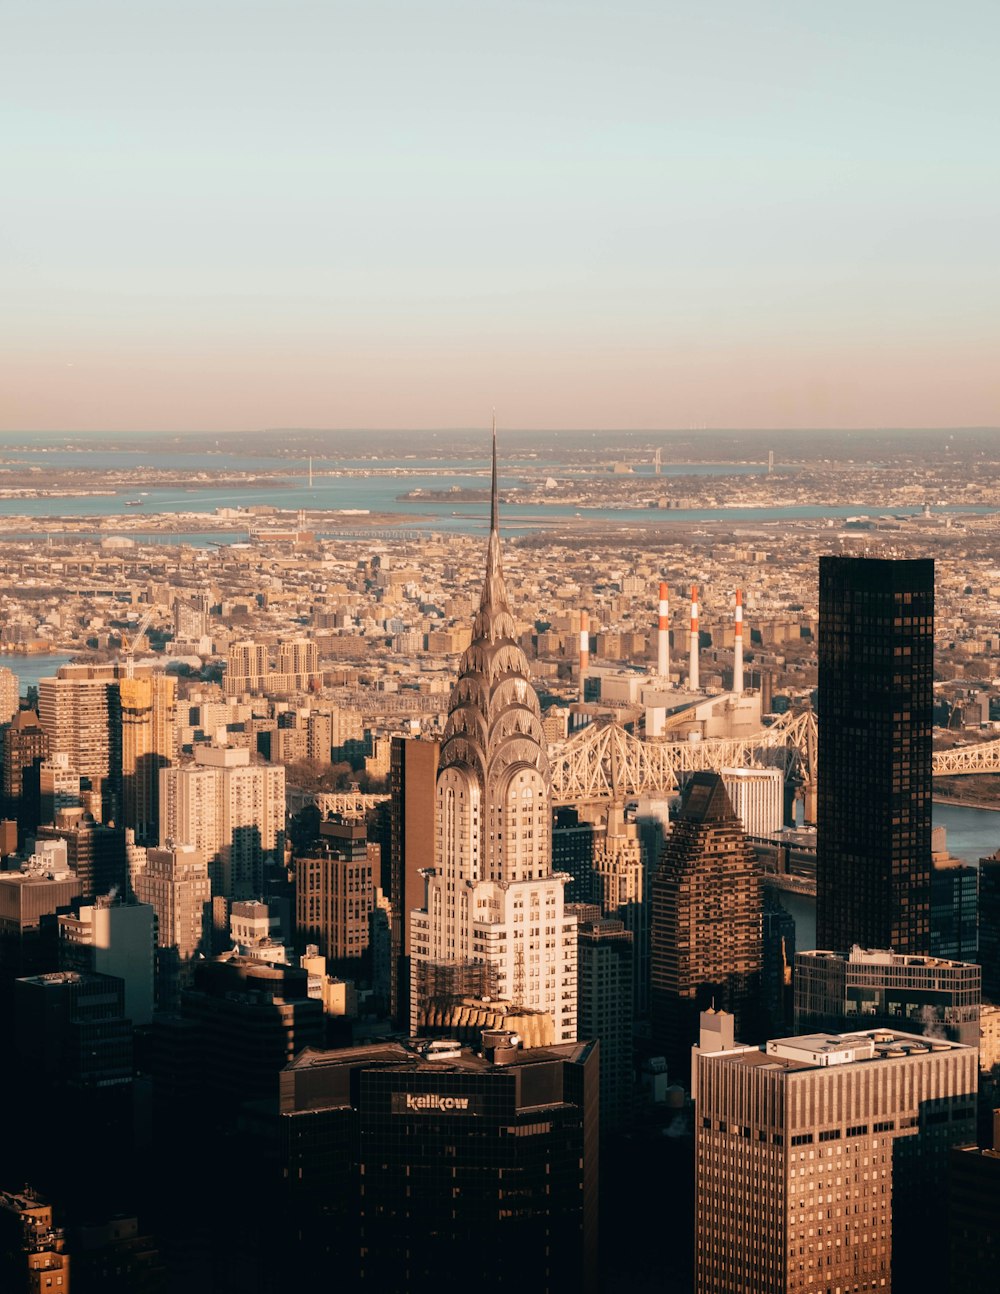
pixel 604 761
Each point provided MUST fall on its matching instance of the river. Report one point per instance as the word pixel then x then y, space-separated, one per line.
pixel 376 488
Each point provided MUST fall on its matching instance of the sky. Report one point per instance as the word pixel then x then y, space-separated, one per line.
pixel 229 214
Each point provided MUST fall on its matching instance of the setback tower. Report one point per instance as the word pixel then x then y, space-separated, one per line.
pixel 493 925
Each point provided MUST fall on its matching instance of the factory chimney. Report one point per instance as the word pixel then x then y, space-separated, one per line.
pixel 663 635
pixel 693 668
pixel 738 646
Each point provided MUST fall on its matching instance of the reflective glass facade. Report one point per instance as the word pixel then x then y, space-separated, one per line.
pixel 876 673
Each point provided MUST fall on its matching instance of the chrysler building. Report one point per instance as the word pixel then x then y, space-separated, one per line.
pixel 493 929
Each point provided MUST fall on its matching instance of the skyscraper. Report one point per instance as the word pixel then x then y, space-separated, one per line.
pixel 25 745
pixel 989 925
pixel 335 895
pixel 974 1216
pixel 876 670
pixel 174 881
pixel 620 872
pixel 94 852
pixel 706 925
pixel 412 774
pixel 413 770
pixel 79 710
pixel 10 690
pixel 402 1165
pixel 147 713
pixel 605 1004
pixel 889 990
pixel 493 901
pixel 231 809
pixel 817 1159
pixel 112 938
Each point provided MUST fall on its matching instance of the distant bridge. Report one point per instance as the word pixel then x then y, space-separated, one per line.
pixel 984 757
pixel 605 761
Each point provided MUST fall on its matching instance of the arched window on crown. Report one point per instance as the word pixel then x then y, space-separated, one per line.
pixel 457 836
pixel 526 852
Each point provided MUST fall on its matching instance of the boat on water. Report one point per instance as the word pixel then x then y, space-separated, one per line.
pixel 133 503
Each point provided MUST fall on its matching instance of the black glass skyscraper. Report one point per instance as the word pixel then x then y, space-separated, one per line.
pixel 876 673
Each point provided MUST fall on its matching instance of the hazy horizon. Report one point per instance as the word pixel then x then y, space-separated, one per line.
pixel 381 215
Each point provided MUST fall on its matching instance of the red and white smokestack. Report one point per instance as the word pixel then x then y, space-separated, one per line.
pixel 584 648
pixel 693 683
pixel 663 635
pixel 738 645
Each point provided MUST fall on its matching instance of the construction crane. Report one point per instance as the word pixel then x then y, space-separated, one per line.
pixel 129 642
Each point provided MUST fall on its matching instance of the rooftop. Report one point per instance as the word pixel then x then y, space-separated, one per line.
pixel 881 957
pixel 413 1054
pixel 822 1050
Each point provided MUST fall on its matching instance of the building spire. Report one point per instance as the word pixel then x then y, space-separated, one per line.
pixel 494 619
pixel 494 498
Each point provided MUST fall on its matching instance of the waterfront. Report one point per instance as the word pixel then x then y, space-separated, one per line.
pixel 972 833
pixel 30 667
pixel 378 494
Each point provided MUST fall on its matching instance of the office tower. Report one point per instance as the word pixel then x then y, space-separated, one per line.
pixel 58 1021
pixel 606 1007
pixel 820 1160
pixel 232 810
pixel 758 798
pixel 652 818
pixel 25 898
pixel 174 882
pixel 10 696
pixel 68 1070
pixel 25 745
pixel 245 666
pixel 876 669
pixel 335 895
pixel 777 960
pixel 413 767
pixel 706 923
pixel 989 926
pixel 479 1164
pixel 493 902
pixel 573 843
pixel 380 958
pixel 58 787
pixel 147 742
pixel 620 872
pixel 973 1224
pixel 94 852
pixel 251 1019
pixel 80 712
pixel 876 988
pixel 954 909
pixel 112 938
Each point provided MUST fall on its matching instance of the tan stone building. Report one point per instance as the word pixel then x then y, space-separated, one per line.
pixel 818 1159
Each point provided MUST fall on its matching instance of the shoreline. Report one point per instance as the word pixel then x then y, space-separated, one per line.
pixel 964 804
